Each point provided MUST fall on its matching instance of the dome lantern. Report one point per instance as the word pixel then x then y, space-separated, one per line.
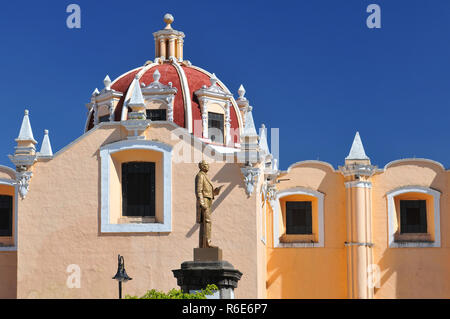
pixel 168 42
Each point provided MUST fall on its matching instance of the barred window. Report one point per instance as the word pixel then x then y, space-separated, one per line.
pixel 157 115
pixel 413 216
pixel 298 218
pixel 138 189
pixel 6 215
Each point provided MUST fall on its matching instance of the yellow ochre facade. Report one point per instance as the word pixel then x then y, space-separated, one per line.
pixel 126 186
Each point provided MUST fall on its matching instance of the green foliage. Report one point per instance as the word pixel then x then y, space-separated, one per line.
pixel 176 294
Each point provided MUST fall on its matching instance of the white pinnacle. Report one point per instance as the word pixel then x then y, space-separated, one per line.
pixel 96 92
pixel 357 151
pixel 46 148
pixel 263 145
pixel 107 82
pixel 136 95
pixel 241 92
pixel 249 127
pixel 26 134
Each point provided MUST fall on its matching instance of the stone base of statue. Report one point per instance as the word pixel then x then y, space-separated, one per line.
pixel 207 254
pixel 208 268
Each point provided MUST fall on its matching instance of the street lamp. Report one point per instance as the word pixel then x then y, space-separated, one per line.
pixel 121 275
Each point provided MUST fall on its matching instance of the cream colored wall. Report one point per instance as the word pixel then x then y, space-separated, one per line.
pixel 59 226
pixel 411 272
pixel 311 272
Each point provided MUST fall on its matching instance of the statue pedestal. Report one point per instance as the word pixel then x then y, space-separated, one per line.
pixel 206 269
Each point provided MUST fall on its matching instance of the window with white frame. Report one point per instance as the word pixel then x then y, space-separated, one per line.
pixel 414 217
pixel 298 219
pixel 136 183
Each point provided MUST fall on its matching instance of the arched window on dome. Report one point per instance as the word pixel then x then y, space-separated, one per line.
pixel 156 110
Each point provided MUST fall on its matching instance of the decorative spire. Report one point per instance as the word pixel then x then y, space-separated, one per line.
pixel 357 151
pixel 263 145
pixel 96 92
pixel 137 99
pixel 241 93
pixel 249 127
pixel 107 82
pixel 26 134
pixel 46 148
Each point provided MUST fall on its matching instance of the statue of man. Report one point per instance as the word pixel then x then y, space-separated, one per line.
pixel 205 193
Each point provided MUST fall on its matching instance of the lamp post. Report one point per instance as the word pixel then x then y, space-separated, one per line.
pixel 121 275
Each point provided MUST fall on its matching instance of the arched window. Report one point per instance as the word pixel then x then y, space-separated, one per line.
pixel 414 217
pixel 298 218
pixel 136 183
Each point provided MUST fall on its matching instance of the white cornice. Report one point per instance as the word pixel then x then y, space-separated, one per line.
pixel 305 163
pixel 414 160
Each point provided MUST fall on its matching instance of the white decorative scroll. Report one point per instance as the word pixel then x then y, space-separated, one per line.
pixel 250 177
pixel 23 182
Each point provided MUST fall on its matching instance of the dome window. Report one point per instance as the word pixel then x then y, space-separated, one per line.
pixel 215 127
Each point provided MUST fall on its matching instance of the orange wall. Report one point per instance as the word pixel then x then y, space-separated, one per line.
pixel 411 272
pixel 321 272
pixel 311 272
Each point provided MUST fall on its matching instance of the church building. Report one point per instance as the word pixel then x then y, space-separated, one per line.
pixel 126 186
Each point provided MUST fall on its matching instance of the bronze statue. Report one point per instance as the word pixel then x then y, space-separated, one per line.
pixel 205 193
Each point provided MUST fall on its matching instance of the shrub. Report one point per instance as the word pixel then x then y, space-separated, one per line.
pixel 176 294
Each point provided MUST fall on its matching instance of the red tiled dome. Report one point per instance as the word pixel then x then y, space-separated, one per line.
pixel 195 77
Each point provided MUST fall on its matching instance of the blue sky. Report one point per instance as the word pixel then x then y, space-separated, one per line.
pixel 311 68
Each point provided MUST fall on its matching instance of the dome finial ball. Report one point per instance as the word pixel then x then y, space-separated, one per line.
pixel 168 18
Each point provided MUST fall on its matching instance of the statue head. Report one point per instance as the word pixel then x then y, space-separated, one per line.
pixel 204 166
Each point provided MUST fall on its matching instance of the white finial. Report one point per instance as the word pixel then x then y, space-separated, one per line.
pixel 213 79
pixel 168 19
pixel 263 144
pixel 249 127
pixel 107 82
pixel 96 92
pixel 46 148
pixel 357 151
pixel 136 95
pixel 156 76
pixel 241 92
pixel 26 133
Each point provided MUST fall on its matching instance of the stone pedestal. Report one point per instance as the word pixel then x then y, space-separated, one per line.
pixel 208 268
pixel 207 254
